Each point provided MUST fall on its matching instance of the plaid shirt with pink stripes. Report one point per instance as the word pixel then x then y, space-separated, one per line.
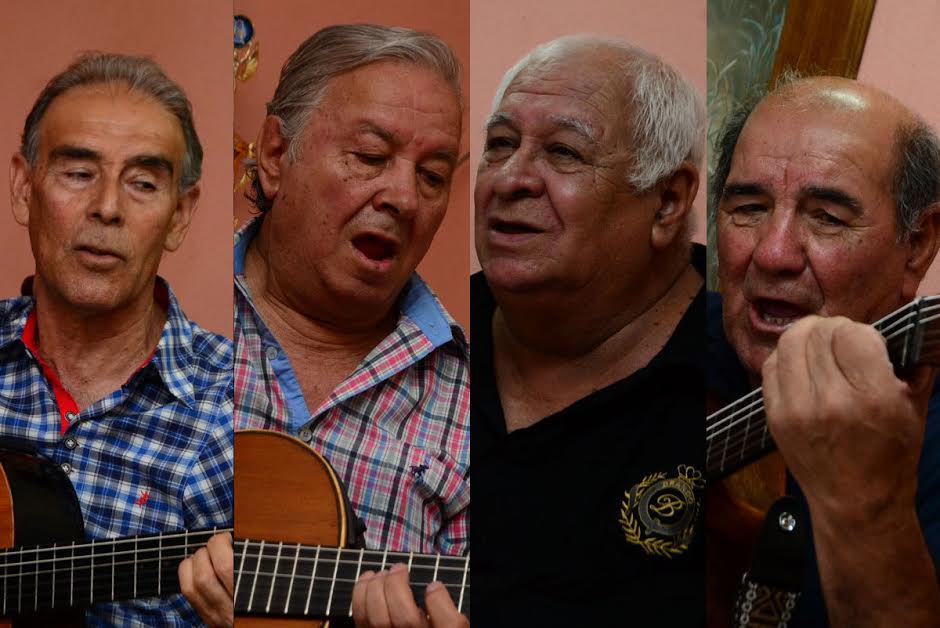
pixel 396 431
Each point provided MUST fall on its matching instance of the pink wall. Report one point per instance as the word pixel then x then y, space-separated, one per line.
pixel 501 33
pixel 281 26
pixel 901 57
pixel 192 40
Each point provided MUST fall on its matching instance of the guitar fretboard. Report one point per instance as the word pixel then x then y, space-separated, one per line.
pixel 301 580
pixel 81 574
pixel 737 434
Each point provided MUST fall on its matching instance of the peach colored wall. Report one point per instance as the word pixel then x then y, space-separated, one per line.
pixel 502 32
pixel 901 58
pixel 281 26
pixel 192 40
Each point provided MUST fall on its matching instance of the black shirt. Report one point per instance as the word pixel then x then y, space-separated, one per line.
pixel 592 516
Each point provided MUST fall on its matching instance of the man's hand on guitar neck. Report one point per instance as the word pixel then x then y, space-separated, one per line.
pixel 384 599
pixel 206 581
pixel 851 434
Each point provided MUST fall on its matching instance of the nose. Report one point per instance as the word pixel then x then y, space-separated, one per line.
pixel 107 205
pixel 780 247
pixel 517 177
pixel 399 192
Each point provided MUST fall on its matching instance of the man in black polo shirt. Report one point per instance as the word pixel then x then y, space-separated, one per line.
pixel 587 368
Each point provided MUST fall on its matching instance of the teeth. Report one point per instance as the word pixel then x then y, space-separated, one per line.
pixel 773 320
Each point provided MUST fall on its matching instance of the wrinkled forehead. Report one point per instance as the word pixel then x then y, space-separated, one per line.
pixel 114 107
pixel 804 144
pixel 584 89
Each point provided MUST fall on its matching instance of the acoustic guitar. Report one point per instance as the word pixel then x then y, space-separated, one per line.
pixel 291 563
pixel 744 481
pixel 49 572
pixel 303 570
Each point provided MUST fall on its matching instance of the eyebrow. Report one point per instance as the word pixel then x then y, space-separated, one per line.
pixel 743 189
pixel 822 193
pixel 578 126
pixel 153 162
pixel 833 195
pixel 384 134
pixel 73 152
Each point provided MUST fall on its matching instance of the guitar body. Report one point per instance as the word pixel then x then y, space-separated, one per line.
pixel 38 505
pixel 284 491
pixel 735 511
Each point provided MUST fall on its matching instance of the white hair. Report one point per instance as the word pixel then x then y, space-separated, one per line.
pixel 668 117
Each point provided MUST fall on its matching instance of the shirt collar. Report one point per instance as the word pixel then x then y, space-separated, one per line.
pixel 417 301
pixel 173 358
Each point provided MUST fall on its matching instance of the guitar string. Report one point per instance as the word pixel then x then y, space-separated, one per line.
pixel 85 586
pixel 732 450
pixel 170 536
pixel 715 419
pixel 754 405
pixel 169 556
pixel 739 446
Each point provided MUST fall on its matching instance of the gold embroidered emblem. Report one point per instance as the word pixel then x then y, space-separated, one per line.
pixel 659 513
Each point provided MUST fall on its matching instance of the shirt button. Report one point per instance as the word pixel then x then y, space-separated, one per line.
pixel 306 435
pixel 271 352
pixel 71 443
pixel 70 416
pixel 66 468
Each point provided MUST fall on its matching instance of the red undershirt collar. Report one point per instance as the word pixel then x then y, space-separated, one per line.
pixel 64 400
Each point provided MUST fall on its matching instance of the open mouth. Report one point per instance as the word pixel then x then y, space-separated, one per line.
pixel 375 248
pixel 778 313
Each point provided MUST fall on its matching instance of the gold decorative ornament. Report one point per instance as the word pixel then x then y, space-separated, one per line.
pixel 659 513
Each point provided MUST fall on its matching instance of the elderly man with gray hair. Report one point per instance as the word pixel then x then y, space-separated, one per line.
pixel 588 318
pixel 101 372
pixel 826 196
pixel 338 342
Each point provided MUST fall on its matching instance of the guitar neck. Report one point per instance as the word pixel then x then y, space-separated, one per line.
pixel 287 579
pixel 81 574
pixel 737 434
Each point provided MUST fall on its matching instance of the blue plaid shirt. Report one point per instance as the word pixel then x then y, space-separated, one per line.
pixel 155 455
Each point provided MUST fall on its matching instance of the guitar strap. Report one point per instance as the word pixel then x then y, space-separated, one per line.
pixel 770 590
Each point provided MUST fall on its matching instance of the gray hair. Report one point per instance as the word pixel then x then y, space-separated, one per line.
pixel 140 74
pixel 915 180
pixel 668 118
pixel 337 50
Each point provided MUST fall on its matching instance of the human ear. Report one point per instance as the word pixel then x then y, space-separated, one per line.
pixel 271 149
pixel 922 248
pixel 182 218
pixel 674 195
pixel 20 188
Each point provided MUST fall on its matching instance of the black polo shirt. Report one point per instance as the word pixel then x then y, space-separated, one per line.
pixel 592 516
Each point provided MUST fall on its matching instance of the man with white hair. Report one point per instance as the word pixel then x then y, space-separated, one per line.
pixel 338 342
pixel 588 328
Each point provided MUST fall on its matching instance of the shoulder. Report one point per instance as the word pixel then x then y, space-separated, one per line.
pixel 13 315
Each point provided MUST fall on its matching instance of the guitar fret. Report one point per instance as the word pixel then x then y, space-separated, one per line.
pixel 329 600
pixel 293 573
pixel 463 584
pixel 277 561
pixel 36 585
pixel 254 582
pixel 160 566
pixel 313 576
pixel 241 569
pixel 71 579
pixel 135 567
